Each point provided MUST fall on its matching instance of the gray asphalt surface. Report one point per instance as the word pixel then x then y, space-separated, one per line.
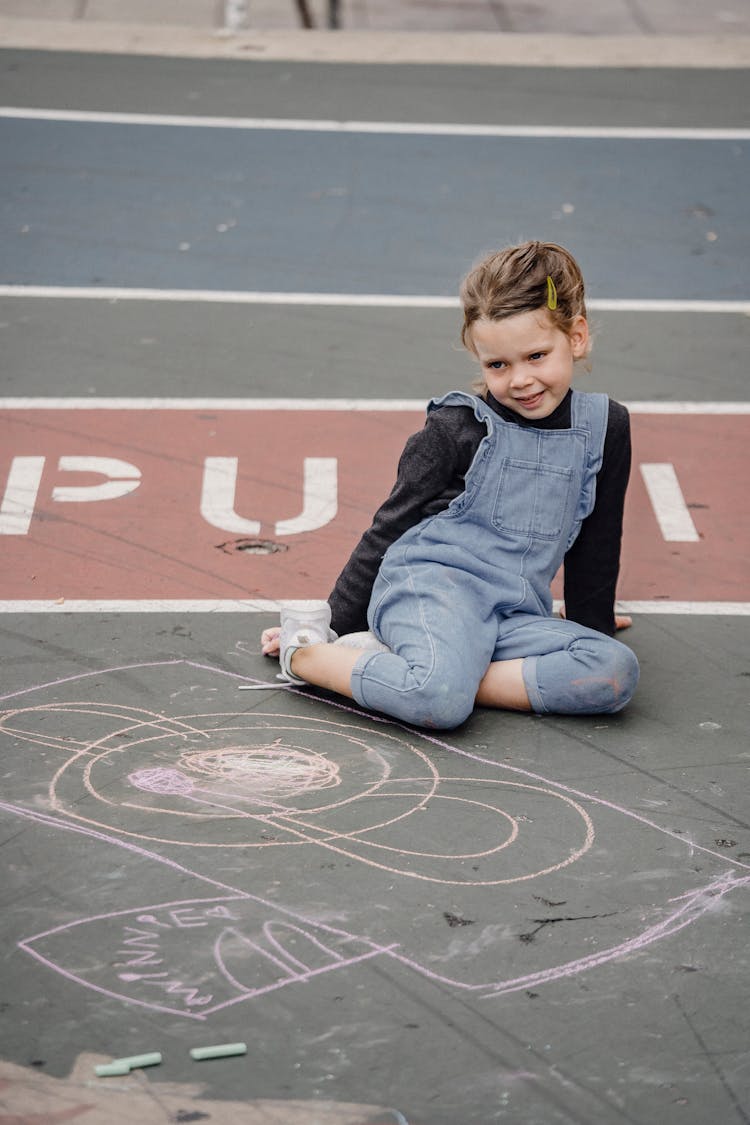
pixel 517 95
pixel 55 347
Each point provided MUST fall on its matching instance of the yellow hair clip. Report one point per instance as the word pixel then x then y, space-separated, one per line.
pixel 551 293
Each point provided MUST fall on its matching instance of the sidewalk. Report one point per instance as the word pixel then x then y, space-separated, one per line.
pixel 556 17
pixel 507 32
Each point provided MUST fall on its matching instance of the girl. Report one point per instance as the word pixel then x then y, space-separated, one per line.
pixel 492 496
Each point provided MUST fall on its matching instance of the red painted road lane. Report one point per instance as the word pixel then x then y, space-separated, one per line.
pixel 152 542
pixel 710 456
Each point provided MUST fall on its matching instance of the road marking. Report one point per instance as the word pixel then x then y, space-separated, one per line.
pixel 21 491
pixel 217 497
pixel 319 497
pixel 223 605
pixel 25 476
pixel 409 128
pixel 309 404
pixel 669 505
pixel 230 296
pixel 337 300
pixel 219 489
pixel 714 609
pixel 158 542
pixel 688 407
pixel 123 478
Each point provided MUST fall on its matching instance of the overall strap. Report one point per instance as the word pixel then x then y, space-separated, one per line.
pixel 481 410
pixel 590 412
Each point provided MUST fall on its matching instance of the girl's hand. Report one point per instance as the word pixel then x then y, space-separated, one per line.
pixel 269 641
pixel 622 620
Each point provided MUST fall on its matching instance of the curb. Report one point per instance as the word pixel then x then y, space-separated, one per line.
pixel 435 48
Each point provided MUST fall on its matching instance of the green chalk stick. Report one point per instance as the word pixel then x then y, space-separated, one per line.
pixel 221 1051
pixel 132 1062
pixel 109 1070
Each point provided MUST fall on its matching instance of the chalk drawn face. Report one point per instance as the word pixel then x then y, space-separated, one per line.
pixel 322 839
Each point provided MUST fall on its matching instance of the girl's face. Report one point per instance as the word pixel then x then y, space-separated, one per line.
pixel 527 361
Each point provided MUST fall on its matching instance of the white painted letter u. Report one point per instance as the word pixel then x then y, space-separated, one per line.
pixel 319 497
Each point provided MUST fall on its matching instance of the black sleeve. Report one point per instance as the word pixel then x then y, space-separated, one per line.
pixel 593 562
pixel 432 461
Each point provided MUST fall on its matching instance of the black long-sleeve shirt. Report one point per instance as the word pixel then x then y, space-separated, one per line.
pixel 431 473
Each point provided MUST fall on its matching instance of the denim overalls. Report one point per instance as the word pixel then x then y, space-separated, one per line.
pixel 472 584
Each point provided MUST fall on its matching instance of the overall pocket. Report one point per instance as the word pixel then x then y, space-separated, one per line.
pixel 532 499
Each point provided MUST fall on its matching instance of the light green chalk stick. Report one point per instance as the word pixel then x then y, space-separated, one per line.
pixel 109 1070
pixel 124 1066
pixel 221 1051
pixel 152 1058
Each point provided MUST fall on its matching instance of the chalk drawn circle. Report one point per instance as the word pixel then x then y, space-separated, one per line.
pixel 259 771
pixel 161 780
pixel 349 791
pixel 270 770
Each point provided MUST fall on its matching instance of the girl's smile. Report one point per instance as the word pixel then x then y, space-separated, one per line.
pixel 527 361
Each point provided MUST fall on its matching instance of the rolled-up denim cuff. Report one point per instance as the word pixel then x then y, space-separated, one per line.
pixel 356 680
pixel 528 671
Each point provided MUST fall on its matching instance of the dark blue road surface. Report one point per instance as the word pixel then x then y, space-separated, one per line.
pixel 111 204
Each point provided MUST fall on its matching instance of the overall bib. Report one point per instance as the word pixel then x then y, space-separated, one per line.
pixel 471 584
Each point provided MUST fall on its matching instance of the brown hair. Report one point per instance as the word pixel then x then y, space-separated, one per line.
pixel 514 281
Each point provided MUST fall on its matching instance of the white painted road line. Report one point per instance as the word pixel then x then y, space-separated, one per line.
pixel 331 404
pixel 409 128
pixel 228 296
pixel 207 605
pixel 669 505
pixel 352 300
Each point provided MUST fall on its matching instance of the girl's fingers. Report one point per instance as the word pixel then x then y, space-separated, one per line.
pixel 269 641
pixel 622 620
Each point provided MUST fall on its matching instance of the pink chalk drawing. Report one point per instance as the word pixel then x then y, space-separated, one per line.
pixel 195 957
pixel 354 791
